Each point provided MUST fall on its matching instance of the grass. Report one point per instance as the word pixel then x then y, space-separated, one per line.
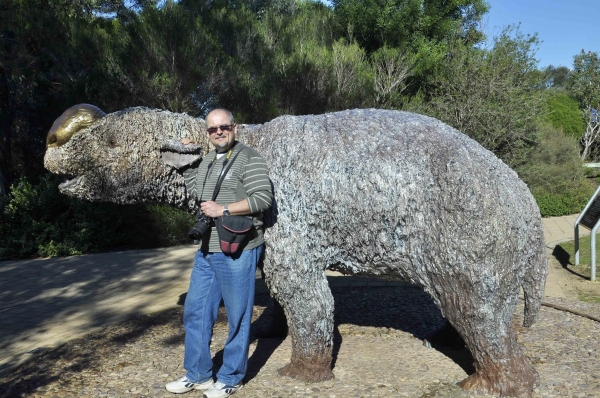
pixel 565 254
pixel 588 297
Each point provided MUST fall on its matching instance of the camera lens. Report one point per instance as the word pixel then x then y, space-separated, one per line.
pixel 201 227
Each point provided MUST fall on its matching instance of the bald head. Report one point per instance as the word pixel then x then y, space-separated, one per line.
pixel 221 129
pixel 226 111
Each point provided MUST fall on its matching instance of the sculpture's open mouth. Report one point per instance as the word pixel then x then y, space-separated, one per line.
pixel 70 183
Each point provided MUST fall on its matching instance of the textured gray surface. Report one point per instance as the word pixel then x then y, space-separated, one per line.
pixel 364 191
pixel 119 159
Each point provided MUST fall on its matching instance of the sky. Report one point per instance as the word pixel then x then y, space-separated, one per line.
pixel 565 27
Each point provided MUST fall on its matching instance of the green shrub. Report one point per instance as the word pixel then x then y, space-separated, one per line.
pixel 564 113
pixel 494 96
pixel 555 174
pixel 553 205
pixel 37 220
pixel 171 225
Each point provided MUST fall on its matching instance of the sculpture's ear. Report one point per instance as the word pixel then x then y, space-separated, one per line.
pixel 177 155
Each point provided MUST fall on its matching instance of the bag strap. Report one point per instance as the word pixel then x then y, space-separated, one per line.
pixel 224 172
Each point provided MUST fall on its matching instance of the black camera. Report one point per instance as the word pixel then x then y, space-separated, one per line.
pixel 202 226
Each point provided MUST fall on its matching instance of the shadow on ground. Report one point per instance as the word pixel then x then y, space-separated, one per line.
pixel 59 287
pixel 564 258
pixel 411 311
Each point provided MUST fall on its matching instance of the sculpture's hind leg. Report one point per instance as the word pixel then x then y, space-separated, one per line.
pixel 304 293
pixel 506 375
pixel 484 324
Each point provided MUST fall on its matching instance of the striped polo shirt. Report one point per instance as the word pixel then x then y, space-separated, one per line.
pixel 248 177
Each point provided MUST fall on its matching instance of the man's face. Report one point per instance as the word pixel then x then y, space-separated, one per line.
pixel 221 132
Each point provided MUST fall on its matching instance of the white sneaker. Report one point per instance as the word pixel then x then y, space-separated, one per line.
pixel 184 385
pixel 221 390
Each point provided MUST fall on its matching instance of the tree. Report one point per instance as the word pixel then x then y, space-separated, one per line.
pixel 163 58
pixel 493 95
pixel 401 23
pixel 584 86
pixel 349 63
pixel 287 65
pixel 41 66
pixel 556 76
pixel 392 69
pixel 34 37
pixel 420 29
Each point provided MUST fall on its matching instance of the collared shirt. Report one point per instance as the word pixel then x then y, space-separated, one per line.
pixel 248 178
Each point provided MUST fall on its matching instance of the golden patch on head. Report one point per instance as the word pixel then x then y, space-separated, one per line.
pixel 72 120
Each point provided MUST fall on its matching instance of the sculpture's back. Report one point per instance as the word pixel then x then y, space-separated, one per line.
pixel 399 194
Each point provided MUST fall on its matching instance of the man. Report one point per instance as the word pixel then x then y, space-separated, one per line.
pixel 245 190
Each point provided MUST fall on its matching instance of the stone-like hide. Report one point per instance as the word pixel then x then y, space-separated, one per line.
pixel 120 158
pixel 363 191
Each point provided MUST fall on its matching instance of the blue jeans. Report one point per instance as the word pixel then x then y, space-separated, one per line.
pixel 216 276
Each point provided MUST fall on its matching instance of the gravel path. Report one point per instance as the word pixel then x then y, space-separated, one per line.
pixel 378 351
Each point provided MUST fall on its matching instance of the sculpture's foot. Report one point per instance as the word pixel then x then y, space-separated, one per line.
pixel 517 379
pixel 312 370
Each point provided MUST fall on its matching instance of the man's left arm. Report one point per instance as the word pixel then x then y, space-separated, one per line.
pixel 258 185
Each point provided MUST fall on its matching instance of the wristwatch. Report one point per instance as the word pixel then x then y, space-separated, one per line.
pixel 226 211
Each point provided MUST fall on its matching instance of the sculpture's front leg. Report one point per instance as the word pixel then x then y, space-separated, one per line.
pixel 304 293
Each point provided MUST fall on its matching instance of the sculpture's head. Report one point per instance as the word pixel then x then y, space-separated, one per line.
pixel 128 156
pixel 73 120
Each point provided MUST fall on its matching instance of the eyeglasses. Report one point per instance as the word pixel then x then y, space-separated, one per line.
pixel 223 127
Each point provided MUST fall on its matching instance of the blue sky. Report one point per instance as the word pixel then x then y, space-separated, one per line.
pixel 565 26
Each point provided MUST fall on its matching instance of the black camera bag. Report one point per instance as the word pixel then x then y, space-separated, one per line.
pixel 232 231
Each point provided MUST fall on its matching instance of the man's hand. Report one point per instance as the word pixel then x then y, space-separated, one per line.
pixel 211 209
pixel 186 141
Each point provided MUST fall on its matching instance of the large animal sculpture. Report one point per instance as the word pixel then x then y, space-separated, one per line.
pixel 371 192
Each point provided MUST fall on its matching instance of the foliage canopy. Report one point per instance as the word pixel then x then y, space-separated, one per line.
pixel 262 59
pixel 493 95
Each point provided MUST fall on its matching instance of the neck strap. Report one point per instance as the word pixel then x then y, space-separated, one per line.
pixel 226 166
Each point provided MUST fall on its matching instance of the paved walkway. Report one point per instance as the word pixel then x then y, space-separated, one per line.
pixel 561 229
pixel 556 230
pixel 46 302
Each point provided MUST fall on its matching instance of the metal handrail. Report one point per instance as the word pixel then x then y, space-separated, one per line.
pixel 593 237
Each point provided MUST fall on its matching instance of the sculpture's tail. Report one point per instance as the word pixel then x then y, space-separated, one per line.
pixel 534 279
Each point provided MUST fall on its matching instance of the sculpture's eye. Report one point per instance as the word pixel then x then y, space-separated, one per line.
pixel 112 142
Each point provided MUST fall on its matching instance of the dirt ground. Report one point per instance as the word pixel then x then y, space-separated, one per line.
pixel 379 351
